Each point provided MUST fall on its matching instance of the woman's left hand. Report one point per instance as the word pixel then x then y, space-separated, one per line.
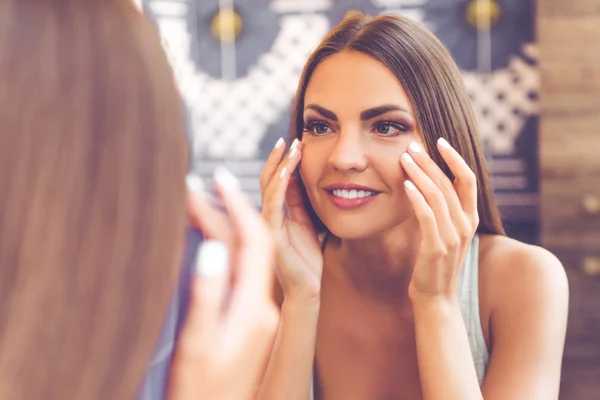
pixel 448 220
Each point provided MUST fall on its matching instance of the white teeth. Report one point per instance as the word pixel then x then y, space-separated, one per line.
pixel 352 194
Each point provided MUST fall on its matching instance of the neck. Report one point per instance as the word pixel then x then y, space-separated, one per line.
pixel 380 267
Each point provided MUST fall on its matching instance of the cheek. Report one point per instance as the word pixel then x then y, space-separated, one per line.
pixel 311 167
pixel 305 173
pixel 386 163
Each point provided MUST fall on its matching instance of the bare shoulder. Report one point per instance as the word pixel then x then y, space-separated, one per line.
pixel 515 274
pixel 503 255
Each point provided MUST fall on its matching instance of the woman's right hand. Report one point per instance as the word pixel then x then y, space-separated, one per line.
pixel 225 343
pixel 299 258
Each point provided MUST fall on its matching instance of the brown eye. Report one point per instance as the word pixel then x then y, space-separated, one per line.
pixel 384 128
pixel 389 128
pixel 321 128
pixel 317 128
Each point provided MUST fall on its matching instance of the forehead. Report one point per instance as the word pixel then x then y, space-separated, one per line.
pixel 351 80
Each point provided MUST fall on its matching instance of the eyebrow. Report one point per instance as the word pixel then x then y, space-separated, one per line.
pixel 364 116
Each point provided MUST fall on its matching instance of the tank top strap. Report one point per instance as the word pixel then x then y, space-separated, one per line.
pixel 468 298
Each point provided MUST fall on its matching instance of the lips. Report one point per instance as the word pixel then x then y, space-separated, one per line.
pixel 350 196
pixel 349 186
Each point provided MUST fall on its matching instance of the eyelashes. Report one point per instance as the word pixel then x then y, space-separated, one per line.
pixel 400 128
pixel 316 127
pixel 384 128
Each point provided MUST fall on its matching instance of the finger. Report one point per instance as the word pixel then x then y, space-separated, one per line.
pixel 255 250
pixel 274 199
pixel 212 222
pixel 439 178
pixel 295 203
pixel 431 194
pixel 271 165
pixel 465 183
pixel 423 212
pixel 209 291
pixel 251 295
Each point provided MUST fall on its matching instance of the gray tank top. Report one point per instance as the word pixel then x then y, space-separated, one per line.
pixel 468 297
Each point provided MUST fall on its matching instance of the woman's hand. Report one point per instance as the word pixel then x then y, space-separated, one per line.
pixel 448 219
pixel 224 346
pixel 299 258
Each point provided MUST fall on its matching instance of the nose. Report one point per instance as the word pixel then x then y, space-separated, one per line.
pixel 349 152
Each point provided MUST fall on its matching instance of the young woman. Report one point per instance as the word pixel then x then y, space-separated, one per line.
pixel 398 281
pixel 93 160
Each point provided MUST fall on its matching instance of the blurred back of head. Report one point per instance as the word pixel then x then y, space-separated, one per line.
pixel 93 157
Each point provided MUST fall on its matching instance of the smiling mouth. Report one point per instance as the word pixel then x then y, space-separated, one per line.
pixel 352 194
pixel 351 199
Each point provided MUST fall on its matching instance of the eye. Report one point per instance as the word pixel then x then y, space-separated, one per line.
pixel 389 128
pixel 317 128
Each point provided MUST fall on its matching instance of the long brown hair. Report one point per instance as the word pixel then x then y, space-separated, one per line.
pixel 434 86
pixel 93 157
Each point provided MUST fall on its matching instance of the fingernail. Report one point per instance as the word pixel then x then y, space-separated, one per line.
pixel 444 143
pixel 408 158
pixel 194 183
pixel 279 142
pixel 293 152
pixel 415 148
pixel 409 185
pixel 226 179
pixel 294 143
pixel 213 259
pixel 283 172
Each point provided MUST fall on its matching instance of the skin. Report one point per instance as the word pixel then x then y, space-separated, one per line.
pixel 229 331
pixel 384 317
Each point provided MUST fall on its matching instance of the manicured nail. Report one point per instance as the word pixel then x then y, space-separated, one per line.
pixel 212 260
pixel 283 172
pixel 194 183
pixel 279 142
pixel 408 158
pixel 293 152
pixel 409 185
pixel 415 148
pixel 226 179
pixel 294 143
pixel 444 143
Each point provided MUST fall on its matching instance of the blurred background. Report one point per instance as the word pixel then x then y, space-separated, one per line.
pixel 532 70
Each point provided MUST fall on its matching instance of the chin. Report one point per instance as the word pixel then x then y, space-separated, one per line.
pixel 349 228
